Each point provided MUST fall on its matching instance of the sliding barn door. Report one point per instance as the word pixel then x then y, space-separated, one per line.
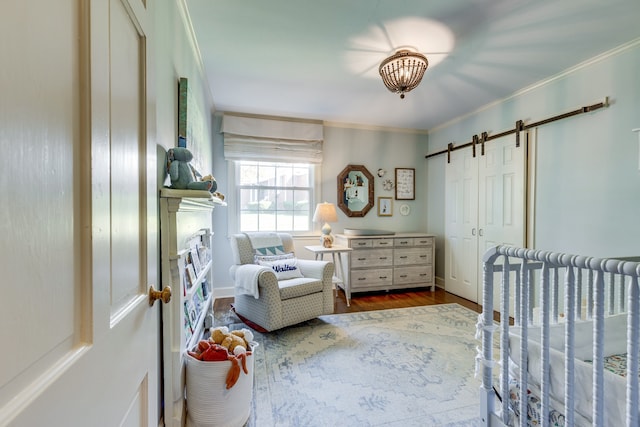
pixel 485 206
pixel 79 339
pixel 501 201
pixel 461 227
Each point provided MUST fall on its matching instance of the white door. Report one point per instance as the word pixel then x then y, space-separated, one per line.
pixel 79 340
pixel 461 222
pixel 501 204
pixel 485 206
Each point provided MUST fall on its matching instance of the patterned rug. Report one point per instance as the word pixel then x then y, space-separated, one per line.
pixel 397 367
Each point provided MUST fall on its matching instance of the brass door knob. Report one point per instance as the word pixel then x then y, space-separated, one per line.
pixel 163 295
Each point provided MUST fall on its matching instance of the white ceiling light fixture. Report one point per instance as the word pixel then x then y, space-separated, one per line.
pixel 403 71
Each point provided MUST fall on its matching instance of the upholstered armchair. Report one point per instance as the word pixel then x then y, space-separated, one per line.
pixel 273 302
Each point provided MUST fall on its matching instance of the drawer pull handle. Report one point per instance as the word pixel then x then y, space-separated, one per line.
pixel 403 275
pixel 422 274
pixel 383 257
pixel 361 278
pixel 423 256
pixel 362 244
pixel 382 277
pixel 404 257
pixel 361 259
pixel 384 243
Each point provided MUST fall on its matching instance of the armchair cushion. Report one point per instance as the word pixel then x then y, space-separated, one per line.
pixel 294 288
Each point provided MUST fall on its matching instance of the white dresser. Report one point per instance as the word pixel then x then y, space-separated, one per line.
pixel 385 262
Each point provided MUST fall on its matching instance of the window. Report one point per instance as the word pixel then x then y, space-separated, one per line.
pixel 274 196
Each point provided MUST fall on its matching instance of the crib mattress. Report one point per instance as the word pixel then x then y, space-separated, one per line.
pixel 615 364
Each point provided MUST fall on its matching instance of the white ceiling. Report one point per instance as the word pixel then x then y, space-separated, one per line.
pixel 318 59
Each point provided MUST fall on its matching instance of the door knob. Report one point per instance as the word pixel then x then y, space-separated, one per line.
pixel 163 295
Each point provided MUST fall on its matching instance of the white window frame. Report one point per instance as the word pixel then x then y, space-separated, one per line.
pixel 233 206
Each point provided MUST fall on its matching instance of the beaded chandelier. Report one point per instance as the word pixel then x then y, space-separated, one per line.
pixel 403 71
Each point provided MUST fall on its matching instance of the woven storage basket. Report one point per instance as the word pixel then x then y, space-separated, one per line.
pixel 209 403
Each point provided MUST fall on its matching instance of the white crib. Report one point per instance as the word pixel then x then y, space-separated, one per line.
pixel 563 318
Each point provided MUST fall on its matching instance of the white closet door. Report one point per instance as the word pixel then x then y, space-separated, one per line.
pixel 461 213
pixel 501 203
pixel 485 206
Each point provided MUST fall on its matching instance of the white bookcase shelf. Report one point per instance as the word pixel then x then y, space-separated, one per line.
pixel 187 260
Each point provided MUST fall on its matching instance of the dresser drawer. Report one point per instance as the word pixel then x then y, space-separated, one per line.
pixel 415 274
pixel 423 241
pixel 371 277
pixel 360 243
pixel 371 258
pixel 403 242
pixel 382 243
pixel 416 255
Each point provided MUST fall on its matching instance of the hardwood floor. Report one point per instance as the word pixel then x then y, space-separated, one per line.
pixel 379 301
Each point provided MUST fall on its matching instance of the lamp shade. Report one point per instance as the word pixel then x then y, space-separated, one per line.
pixel 325 212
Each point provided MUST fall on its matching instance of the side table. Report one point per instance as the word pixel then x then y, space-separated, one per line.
pixel 319 252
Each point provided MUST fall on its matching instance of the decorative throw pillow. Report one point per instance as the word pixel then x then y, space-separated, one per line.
pixel 284 268
pixel 269 258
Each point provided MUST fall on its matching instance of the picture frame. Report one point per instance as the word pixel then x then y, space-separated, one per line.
pixel 191 122
pixel 405 184
pixel 385 206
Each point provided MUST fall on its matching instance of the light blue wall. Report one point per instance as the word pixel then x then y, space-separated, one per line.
pixel 373 148
pixel 177 57
pixel 587 177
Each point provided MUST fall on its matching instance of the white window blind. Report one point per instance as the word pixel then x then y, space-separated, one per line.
pixel 251 138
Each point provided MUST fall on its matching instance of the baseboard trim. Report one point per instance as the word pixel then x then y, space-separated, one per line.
pixel 222 293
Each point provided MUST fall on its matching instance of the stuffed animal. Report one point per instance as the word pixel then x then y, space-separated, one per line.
pixel 236 342
pixel 181 172
pixel 211 179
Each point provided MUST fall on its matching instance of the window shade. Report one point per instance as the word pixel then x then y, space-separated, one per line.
pixel 251 138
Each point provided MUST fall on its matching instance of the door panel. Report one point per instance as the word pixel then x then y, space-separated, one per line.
pixel 461 222
pixel 126 125
pixel 502 202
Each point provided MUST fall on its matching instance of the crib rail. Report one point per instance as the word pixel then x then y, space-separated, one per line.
pixel 546 288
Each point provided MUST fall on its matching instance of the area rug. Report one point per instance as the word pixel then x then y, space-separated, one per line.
pixel 396 367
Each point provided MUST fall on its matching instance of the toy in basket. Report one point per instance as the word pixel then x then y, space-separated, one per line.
pixel 219 377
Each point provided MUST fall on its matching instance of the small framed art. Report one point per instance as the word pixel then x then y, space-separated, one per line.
pixel 405 184
pixel 385 206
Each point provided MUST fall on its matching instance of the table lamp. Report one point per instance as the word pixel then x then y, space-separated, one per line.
pixel 326 213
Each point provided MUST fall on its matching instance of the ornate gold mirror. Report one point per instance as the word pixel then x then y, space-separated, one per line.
pixel 355 191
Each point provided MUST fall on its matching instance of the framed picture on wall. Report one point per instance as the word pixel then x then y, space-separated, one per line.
pixel 405 184
pixel 190 123
pixel 385 206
